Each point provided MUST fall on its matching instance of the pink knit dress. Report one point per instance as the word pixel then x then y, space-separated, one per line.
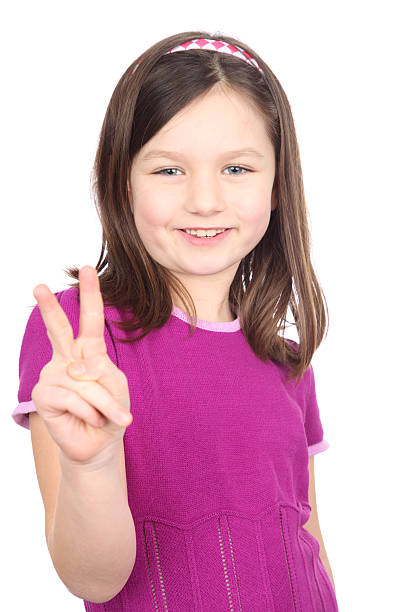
pixel 217 468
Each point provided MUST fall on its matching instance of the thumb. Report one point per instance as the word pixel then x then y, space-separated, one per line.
pixel 76 369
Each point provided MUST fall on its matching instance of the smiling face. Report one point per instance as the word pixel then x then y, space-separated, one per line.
pixel 202 187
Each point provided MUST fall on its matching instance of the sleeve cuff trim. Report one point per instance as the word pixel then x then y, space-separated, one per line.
pixel 20 413
pixel 313 449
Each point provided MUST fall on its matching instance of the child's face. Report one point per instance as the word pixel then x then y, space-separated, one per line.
pixel 202 190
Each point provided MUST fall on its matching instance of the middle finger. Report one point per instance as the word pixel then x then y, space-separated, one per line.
pixel 92 318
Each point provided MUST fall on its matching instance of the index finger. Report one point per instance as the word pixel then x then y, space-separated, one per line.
pixel 59 330
pixel 92 316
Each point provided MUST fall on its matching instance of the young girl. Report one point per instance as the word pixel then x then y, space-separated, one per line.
pixel 177 470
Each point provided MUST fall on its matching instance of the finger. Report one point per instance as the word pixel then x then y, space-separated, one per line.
pixel 59 330
pixel 99 397
pixel 102 370
pixel 92 317
pixel 62 400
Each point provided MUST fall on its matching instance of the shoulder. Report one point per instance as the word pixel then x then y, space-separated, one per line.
pixel 308 373
pixel 35 330
pixel 68 298
pixel 307 379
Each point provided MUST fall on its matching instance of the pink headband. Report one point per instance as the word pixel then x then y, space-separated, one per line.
pixel 214 45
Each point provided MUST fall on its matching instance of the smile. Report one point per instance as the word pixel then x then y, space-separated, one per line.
pixel 206 240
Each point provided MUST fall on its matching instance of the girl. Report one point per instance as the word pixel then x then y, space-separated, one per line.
pixel 177 470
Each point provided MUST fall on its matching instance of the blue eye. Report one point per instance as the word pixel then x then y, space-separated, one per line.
pixel 236 174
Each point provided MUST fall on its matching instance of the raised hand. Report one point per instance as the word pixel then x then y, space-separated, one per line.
pixel 84 413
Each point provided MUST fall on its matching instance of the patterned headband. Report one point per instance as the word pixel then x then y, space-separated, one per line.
pixel 214 45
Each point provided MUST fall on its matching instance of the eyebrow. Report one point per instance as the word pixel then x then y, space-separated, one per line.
pixel 179 156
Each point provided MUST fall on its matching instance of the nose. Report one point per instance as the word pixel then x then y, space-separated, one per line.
pixel 205 196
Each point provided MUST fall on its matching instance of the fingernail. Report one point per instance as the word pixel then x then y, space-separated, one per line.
pixel 77 368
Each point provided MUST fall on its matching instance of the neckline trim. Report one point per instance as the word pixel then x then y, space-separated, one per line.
pixel 216 326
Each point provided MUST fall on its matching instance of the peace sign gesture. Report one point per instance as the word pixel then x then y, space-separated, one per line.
pixel 84 413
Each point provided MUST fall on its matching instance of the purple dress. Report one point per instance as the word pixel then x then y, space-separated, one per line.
pixel 217 468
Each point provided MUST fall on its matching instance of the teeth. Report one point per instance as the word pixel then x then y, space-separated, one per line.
pixel 203 233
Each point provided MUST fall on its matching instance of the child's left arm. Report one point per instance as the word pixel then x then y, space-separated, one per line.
pixel 312 525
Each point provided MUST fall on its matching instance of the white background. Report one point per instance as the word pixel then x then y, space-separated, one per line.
pixel 343 68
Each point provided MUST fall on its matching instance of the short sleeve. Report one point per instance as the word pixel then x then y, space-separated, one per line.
pixel 35 352
pixel 313 426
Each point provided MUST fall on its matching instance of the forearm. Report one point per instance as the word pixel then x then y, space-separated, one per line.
pixel 92 541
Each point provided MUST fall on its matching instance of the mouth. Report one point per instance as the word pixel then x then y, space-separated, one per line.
pixel 205 229
pixel 206 240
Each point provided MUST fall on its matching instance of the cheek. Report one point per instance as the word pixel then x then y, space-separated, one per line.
pixel 256 218
pixel 153 224
pixel 151 214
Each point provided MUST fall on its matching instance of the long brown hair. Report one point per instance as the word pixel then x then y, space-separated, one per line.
pixel 269 278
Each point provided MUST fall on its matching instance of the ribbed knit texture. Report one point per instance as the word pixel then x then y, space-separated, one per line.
pixel 217 468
